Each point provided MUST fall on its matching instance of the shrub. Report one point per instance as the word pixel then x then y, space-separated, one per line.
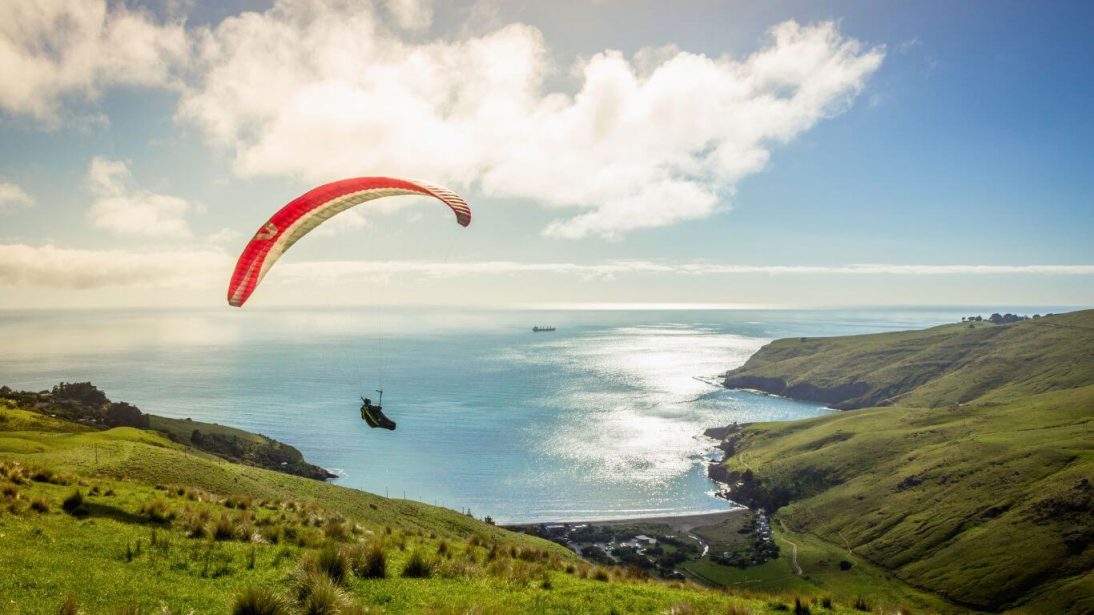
pixel 845 565
pixel 862 605
pixel 799 608
pixel 10 491
pixel 368 562
pixel 256 600
pixel 826 602
pixel 74 504
pixel 417 567
pixel 600 575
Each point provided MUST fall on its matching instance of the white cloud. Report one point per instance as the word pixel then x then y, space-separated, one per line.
pixel 224 235
pixel 613 269
pixel 411 14
pixel 52 267
pixel 320 90
pixel 53 49
pixel 122 207
pixel 55 267
pixel 13 197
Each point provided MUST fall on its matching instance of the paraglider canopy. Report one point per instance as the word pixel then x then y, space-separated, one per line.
pixel 306 212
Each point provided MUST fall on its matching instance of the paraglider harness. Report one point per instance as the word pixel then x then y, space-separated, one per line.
pixel 373 415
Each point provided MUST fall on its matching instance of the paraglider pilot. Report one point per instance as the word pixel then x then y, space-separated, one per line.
pixel 374 415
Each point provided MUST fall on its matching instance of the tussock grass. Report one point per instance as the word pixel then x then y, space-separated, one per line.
pixel 324 597
pixel 69 606
pixel 74 504
pixel 158 511
pixel 368 561
pixel 224 528
pixel 417 566
pixel 329 561
pixel 256 600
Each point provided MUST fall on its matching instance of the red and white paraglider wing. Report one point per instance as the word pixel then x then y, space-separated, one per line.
pixel 311 209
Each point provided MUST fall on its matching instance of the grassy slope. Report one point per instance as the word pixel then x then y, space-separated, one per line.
pixel 984 502
pixel 46 555
pixel 939 366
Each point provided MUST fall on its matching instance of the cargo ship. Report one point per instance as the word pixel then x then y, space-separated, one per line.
pixel 539 329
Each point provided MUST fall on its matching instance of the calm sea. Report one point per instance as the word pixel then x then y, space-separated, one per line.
pixel 601 418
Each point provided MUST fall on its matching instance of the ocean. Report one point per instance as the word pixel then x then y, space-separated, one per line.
pixel 601 418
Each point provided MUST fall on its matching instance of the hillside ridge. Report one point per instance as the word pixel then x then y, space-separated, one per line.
pixel 945 365
pixel 970 476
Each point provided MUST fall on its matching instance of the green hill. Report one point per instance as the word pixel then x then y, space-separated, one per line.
pixel 940 366
pixel 975 479
pixel 129 521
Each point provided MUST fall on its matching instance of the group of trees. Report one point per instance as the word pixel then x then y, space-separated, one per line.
pixel 1000 319
pixel 84 401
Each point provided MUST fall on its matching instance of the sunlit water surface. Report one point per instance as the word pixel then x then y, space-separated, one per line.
pixel 599 419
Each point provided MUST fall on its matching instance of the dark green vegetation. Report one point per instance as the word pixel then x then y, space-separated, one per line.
pixel 973 481
pixel 128 521
pixel 85 404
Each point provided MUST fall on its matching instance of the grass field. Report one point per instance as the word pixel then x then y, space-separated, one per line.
pixel 989 502
pixel 127 521
pixel 821 575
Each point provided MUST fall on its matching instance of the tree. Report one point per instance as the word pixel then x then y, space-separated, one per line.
pixel 83 392
pixel 121 414
pixel 197 438
pixel 996 318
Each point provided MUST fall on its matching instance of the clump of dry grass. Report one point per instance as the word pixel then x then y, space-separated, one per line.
pixel 39 504
pixel 10 491
pixel 329 561
pixel 69 606
pixel 368 561
pixel 224 528
pixel 417 566
pixel 158 511
pixel 257 600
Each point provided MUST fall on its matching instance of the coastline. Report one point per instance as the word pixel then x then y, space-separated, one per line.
pixel 682 522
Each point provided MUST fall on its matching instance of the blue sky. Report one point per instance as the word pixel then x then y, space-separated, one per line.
pixel 947 146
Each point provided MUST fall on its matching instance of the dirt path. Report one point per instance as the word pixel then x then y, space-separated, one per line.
pixel 794 557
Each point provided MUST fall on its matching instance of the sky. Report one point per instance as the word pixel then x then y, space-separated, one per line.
pixel 732 153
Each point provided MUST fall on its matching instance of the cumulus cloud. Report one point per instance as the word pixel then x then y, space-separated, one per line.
pixel 13 197
pixel 122 207
pixel 53 49
pixel 53 267
pixel 319 90
pixel 411 14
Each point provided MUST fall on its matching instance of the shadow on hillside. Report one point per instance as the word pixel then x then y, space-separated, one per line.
pixel 93 510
